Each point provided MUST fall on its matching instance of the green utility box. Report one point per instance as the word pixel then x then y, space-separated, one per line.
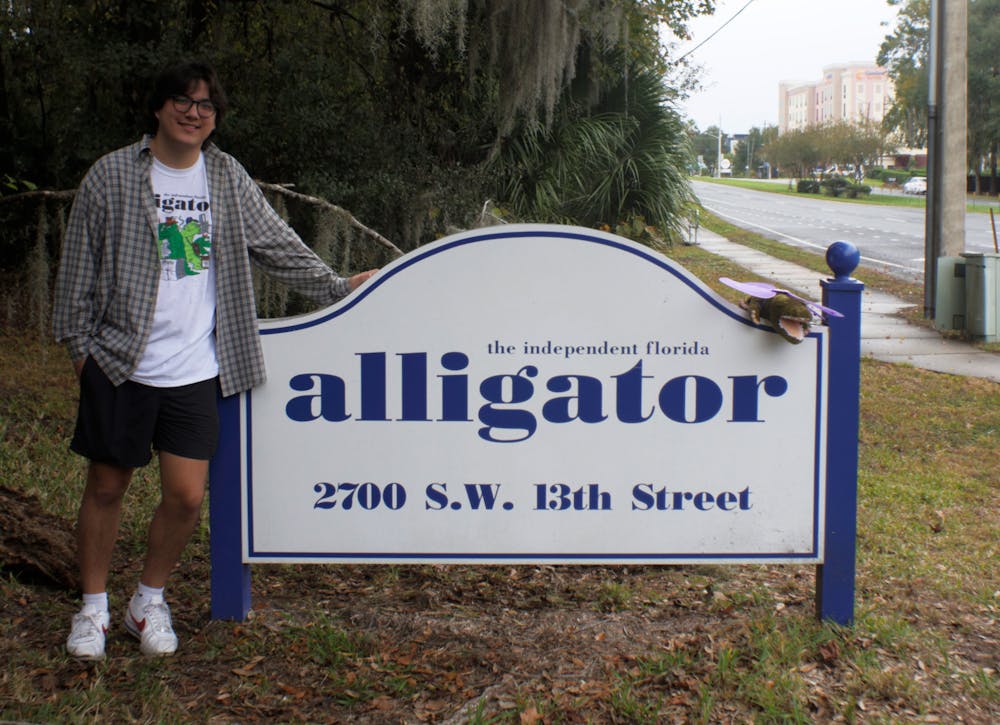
pixel 982 296
pixel 949 298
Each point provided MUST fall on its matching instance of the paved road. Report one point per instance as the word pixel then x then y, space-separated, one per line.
pixel 889 237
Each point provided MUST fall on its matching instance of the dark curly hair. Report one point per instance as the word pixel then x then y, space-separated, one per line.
pixel 177 81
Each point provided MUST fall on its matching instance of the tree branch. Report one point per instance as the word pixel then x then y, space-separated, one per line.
pixel 337 10
pixel 67 195
pixel 323 204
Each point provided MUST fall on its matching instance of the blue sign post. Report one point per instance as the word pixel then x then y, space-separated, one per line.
pixel 722 383
pixel 230 576
pixel 835 576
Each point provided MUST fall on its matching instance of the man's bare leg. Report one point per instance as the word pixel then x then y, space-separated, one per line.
pixel 182 483
pixel 97 524
pixel 96 531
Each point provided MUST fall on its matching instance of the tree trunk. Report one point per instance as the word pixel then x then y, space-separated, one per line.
pixel 993 171
pixel 36 543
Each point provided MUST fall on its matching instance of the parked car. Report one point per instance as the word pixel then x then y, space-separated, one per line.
pixel 916 185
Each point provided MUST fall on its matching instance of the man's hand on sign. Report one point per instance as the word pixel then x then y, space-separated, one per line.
pixel 360 278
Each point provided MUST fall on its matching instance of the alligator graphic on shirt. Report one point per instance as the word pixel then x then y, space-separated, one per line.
pixel 185 248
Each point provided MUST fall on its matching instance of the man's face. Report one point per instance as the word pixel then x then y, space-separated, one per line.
pixel 187 128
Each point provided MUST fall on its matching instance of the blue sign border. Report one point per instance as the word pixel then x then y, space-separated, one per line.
pixel 835 578
pixel 431 250
pixel 811 555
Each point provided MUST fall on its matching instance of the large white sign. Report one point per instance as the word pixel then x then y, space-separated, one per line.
pixel 534 393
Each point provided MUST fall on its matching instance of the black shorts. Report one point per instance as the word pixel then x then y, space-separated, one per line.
pixel 121 425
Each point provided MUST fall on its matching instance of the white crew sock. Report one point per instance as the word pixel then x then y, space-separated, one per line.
pixel 147 593
pixel 99 601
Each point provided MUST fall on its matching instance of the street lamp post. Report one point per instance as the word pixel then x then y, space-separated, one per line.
pixel 932 239
pixel 718 153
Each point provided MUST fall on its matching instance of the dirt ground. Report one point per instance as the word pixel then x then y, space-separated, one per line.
pixel 376 644
pixel 512 644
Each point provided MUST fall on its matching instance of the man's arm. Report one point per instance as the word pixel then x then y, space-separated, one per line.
pixel 76 282
pixel 281 253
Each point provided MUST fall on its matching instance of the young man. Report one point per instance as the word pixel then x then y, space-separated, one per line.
pixel 154 301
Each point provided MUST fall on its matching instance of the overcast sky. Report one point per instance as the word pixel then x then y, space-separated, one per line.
pixel 772 41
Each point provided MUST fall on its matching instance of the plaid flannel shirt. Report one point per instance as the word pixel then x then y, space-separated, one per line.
pixel 110 269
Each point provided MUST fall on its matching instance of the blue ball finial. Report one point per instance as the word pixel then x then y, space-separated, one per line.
pixel 843 258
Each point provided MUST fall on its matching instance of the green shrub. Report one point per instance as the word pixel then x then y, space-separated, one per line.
pixel 807 186
pixel 834 185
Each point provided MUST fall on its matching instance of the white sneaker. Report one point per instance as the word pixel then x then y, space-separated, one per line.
pixel 149 621
pixel 87 634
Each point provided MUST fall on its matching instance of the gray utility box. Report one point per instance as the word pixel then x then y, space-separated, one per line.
pixel 982 296
pixel 949 301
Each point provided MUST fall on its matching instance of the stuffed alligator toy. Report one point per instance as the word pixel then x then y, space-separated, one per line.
pixel 789 314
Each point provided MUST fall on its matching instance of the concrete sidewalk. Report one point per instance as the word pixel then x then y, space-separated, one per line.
pixel 884 335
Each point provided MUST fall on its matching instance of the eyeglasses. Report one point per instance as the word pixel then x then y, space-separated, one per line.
pixel 182 104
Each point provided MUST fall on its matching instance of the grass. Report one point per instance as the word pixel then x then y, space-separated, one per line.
pixel 894 198
pixel 628 644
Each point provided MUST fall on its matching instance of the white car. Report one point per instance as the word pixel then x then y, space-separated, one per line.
pixel 916 185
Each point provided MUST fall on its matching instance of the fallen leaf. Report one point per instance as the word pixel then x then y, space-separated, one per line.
pixel 247 669
pixel 530 716
pixel 829 652
pixel 296 692
pixel 47 682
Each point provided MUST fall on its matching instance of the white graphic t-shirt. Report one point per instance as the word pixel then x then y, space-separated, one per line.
pixel 181 345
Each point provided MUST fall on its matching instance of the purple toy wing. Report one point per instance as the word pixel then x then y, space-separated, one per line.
pixel 816 307
pixel 761 290
pixel 765 291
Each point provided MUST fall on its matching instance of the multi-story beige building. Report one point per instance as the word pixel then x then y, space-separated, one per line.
pixel 852 92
